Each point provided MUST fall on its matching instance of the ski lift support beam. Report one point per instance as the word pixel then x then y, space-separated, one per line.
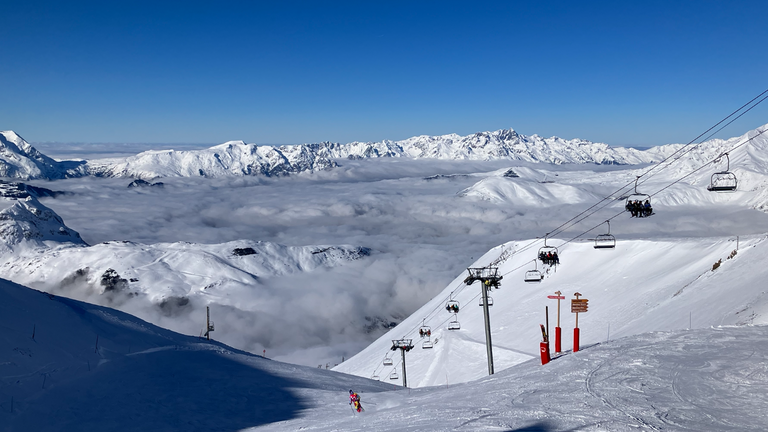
pixel 403 345
pixel 489 276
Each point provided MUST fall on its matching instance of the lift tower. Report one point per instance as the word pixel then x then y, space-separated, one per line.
pixel 489 278
pixel 404 345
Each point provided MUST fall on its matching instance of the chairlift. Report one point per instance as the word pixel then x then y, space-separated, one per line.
pixel 635 203
pixel 454 324
pixel 490 301
pixel 605 241
pixel 394 375
pixel 388 361
pixel 723 181
pixel 427 344
pixel 452 306
pixel 545 252
pixel 374 376
pixel 425 330
pixel 534 275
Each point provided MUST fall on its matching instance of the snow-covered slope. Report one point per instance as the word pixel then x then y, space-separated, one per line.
pixel 18 159
pixel 71 366
pixel 703 380
pixel 29 222
pixel 640 286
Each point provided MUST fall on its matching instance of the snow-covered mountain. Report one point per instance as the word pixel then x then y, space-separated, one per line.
pixel 501 144
pixel 18 159
pixel 233 158
pixel 29 223
pixel 236 158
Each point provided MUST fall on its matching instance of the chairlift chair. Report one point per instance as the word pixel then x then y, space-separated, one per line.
pixel 427 344
pixel 454 324
pixel 425 330
pixel 394 375
pixel 388 361
pixel 723 181
pixel 534 275
pixel 452 306
pixel 637 196
pixel 605 241
pixel 490 301
pixel 544 250
pixel 374 376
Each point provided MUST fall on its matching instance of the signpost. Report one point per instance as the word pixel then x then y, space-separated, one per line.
pixel 558 296
pixel 577 305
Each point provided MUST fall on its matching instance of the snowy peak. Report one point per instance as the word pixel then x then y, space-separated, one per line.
pixel 28 220
pixel 18 159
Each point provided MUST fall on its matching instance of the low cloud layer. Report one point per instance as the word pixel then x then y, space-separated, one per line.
pixel 423 235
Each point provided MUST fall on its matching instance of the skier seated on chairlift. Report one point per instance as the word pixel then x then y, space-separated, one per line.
pixel 354 399
pixel 452 308
pixel 647 210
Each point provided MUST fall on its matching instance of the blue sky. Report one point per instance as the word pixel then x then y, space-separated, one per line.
pixel 624 73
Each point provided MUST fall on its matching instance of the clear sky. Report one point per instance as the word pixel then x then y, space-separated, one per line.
pixel 621 72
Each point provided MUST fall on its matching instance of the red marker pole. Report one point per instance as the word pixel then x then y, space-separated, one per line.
pixel 576 334
pixel 544 346
pixel 577 305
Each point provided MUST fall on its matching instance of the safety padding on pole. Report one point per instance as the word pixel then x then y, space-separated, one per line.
pixel 575 339
pixel 544 347
pixel 558 335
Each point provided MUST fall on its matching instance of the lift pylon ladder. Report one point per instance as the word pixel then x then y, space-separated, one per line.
pixel 489 278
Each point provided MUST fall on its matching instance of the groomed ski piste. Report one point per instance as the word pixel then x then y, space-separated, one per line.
pixel 70 366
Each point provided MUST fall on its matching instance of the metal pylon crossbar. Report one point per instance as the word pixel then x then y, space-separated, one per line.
pixel 489 276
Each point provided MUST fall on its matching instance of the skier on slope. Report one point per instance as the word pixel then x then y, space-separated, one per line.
pixel 354 399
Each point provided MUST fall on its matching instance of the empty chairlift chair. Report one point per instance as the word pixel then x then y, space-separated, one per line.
pixel 394 375
pixel 490 301
pixel 454 324
pixel 605 241
pixel 387 361
pixel 723 181
pixel 534 275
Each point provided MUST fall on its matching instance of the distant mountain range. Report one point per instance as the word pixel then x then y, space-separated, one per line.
pixel 18 159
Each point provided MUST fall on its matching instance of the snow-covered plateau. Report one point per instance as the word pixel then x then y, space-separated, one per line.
pixel 674 337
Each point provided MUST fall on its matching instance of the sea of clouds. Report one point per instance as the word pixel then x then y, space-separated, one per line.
pixel 422 234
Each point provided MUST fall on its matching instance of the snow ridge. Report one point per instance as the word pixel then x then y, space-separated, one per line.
pixel 18 159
